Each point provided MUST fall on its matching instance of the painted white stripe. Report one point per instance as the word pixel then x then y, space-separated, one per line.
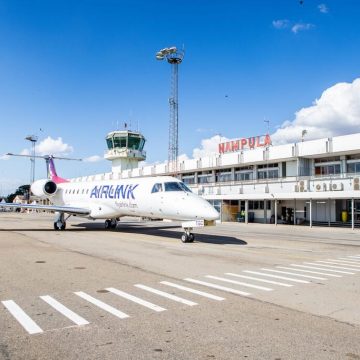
pixel 331 266
pixel 62 309
pixel 352 261
pixel 276 276
pixel 291 273
pixel 309 272
pixel 317 268
pixel 239 283
pixel 261 280
pixel 136 300
pixel 219 287
pixel 166 295
pixel 354 257
pixel 355 267
pixel 25 320
pixel 102 305
pixel 197 292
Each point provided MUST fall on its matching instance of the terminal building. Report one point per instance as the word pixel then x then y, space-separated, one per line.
pixel 313 182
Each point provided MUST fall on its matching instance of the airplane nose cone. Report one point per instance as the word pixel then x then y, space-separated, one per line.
pixel 211 213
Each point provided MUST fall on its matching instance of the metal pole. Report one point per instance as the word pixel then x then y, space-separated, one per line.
pixel 352 215
pixel 310 213
pixel 294 211
pixel 329 206
pixel 265 211
pixel 246 211
pixel 276 212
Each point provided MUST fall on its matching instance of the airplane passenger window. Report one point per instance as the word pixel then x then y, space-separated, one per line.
pixel 78 191
pixel 156 188
pixel 87 191
pixel 173 186
pixel 82 191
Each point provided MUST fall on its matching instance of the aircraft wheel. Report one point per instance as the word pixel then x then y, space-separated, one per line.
pixel 184 238
pixel 191 237
pixel 113 224
pixel 56 226
pixel 107 224
pixel 63 226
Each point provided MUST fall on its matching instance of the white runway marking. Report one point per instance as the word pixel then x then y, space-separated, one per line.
pixel 308 271
pixel 354 257
pixel 25 321
pixel 102 305
pixel 202 293
pixel 239 283
pixel 75 318
pixel 317 268
pixel 136 300
pixel 261 280
pixel 331 267
pixel 219 287
pixel 276 276
pixel 356 267
pixel 166 295
pixel 291 273
pixel 349 261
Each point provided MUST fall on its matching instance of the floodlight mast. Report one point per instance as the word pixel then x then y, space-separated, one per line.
pixel 174 57
pixel 33 139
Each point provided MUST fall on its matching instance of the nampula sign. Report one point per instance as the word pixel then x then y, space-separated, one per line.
pixel 245 144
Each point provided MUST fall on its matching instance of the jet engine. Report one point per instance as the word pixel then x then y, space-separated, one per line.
pixel 44 188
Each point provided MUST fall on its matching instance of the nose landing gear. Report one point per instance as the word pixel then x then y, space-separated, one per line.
pixel 187 237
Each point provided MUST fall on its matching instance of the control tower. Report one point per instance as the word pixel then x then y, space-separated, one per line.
pixel 125 149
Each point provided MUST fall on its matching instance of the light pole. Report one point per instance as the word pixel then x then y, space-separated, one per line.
pixel 33 139
pixel 174 57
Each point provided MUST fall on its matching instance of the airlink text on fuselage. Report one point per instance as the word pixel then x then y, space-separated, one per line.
pixel 113 192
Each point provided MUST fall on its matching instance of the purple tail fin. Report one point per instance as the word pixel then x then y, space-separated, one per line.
pixel 52 172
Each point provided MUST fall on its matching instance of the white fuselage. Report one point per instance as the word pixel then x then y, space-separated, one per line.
pixel 144 197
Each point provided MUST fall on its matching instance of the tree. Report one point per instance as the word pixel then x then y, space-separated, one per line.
pixel 23 190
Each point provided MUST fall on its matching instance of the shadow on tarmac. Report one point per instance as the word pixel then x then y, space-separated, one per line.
pixel 164 231
pixel 141 228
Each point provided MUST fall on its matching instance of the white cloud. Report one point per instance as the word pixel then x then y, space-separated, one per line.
pixel 280 24
pixel 323 8
pixel 301 27
pixel 94 158
pixel 4 157
pixel 50 146
pixel 25 152
pixel 209 146
pixel 336 112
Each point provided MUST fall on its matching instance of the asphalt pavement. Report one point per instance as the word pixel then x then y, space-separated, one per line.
pixel 238 292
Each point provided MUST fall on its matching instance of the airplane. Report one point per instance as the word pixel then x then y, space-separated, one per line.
pixel 163 197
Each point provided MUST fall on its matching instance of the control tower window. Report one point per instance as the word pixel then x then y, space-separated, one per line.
pixel 109 143
pixel 119 142
pixel 134 143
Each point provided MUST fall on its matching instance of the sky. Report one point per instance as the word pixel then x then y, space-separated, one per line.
pixel 71 71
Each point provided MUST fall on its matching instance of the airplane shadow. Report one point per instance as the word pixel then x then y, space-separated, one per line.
pixel 164 231
pixel 141 228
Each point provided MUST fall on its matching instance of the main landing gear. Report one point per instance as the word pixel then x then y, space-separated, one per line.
pixel 59 222
pixel 110 223
pixel 187 236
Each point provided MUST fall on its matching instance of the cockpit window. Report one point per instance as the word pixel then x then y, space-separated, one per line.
pixel 176 186
pixel 156 188
pixel 184 187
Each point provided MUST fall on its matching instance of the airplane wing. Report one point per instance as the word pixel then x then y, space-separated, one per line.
pixel 63 209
